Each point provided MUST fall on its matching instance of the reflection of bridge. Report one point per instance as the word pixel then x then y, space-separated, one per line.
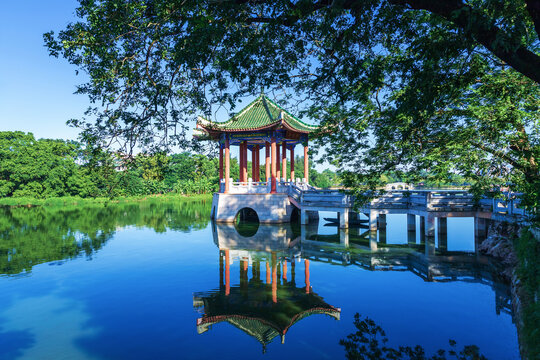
pixel 350 247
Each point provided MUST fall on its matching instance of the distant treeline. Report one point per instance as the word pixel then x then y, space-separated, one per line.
pixel 424 179
pixel 47 168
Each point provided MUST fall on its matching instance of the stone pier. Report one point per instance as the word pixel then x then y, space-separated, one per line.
pixel 270 208
pixel 442 233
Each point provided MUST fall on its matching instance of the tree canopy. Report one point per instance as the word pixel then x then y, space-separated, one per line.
pixel 451 86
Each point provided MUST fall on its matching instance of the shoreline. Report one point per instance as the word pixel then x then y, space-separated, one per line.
pixel 512 244
pixel 74 200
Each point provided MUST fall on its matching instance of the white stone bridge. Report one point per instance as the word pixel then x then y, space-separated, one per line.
pixel 428 204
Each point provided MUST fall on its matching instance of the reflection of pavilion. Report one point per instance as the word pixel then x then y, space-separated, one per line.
pixel 262 306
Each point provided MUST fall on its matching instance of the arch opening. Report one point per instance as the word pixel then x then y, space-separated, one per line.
pixel 246 222
pixel 295 222
pixel 295 215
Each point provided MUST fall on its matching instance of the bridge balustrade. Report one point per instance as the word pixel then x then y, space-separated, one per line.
pixel 430 200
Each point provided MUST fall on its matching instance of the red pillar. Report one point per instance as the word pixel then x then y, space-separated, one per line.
pixel 243 274
pixel 278 161
pixel 220 163
pixel 267 273
pixel 284 160
pixel 306 273
pixel 306 166
pixel 267 161
pixel 258 166
pixel 274 161
pixel 227 163
pixel 221 284
pixel 284 270
pixel 227 273
pixel 292 163
pixel 245 161
pixel 254 163
pixel 240 162
pixel 274 277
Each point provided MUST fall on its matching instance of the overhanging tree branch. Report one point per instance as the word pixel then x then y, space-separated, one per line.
pixel 470 20
pixel 482 30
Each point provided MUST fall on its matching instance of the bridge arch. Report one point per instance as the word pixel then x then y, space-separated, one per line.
pixel 246 214
pixel 246 222
pixel 295 215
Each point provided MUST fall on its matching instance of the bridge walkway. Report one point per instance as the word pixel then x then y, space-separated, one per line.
pixel 429 204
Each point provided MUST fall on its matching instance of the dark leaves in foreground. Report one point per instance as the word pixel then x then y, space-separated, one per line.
pixel 370 342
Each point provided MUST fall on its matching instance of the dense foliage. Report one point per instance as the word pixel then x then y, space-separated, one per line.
pixel 528 251
pixel 46 167
pixel 55 168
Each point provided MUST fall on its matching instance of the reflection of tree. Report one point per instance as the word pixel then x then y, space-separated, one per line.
pixel 31 236
pixel 370 342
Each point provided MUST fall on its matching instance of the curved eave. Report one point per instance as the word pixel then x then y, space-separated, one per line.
pixel 204 323
pixel 287 126
pixel 201 134
pixel 333 312
pixel 216 128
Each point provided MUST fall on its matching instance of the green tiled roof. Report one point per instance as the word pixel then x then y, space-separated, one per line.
pixel 259 114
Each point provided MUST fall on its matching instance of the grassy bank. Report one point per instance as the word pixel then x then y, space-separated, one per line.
pixel 74 200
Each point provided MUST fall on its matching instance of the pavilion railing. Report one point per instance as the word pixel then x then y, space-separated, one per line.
pixel 263 187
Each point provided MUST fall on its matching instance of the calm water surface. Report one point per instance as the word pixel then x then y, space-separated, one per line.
pixel 159 281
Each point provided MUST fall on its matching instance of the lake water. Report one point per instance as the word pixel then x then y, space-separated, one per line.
pixel 158 280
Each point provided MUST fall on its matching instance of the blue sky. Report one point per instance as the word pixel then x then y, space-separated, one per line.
pixel 36 91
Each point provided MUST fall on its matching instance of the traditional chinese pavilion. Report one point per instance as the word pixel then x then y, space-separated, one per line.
pixel 263 309
pixel 262 124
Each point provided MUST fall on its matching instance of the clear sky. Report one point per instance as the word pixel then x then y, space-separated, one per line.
pixel 36 90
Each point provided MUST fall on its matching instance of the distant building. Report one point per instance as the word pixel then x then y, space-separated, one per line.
pixel 399 186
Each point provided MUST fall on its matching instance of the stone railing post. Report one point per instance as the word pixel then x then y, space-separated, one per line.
pixel 510 207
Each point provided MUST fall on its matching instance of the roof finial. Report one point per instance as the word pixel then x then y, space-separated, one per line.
pixel 262 90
